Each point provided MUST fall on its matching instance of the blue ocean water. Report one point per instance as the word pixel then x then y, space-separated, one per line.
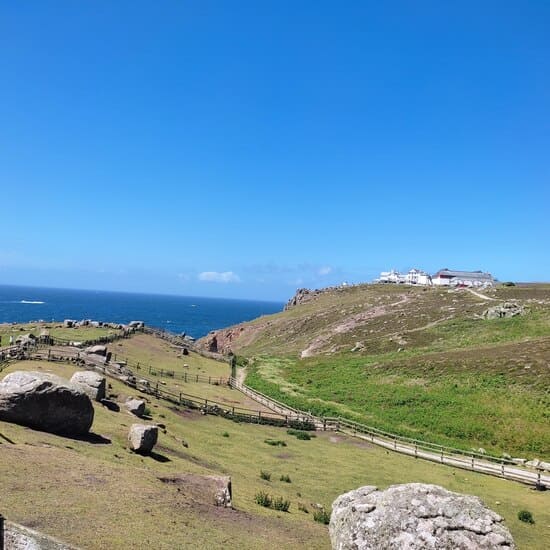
pixel 195 316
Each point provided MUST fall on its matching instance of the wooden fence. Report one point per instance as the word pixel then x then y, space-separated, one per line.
pixel 283 415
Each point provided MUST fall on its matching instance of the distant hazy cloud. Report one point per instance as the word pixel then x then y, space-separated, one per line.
pixel 325 270
pixel 219 277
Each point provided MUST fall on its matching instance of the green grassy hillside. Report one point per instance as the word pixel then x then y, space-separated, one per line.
pixel 419 362
pixel 96 494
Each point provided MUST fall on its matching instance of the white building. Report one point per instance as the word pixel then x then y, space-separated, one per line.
pixel 448 277
pixel 392 276
pixel 413 277
pixel 418 277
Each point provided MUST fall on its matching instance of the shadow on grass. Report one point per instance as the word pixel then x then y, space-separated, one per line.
pixel 95 439
pixel 158 457
pixel 7 439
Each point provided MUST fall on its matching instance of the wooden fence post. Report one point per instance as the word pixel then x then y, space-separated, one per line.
pixel 1 532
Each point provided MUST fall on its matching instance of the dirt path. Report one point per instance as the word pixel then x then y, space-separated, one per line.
pixel 482 296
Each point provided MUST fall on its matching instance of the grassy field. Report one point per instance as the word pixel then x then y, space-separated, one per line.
pixel 421 363
pixel 55 329
pixel 96 494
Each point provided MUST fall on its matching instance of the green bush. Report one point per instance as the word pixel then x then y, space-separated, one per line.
pixel 525 516
pixel 275 442
pixel 263 499
pixel 280 504
pixel 321 516
pixel 265 475
pixel 300 434
pixel 286 478
pixel 146 411
pixel 225 434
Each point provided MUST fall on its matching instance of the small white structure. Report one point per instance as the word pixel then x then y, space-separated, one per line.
pixel 418 277
pixel 413 277
pixel 392 276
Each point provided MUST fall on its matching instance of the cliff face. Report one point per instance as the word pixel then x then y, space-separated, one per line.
pixel 302 296
pixel 225 341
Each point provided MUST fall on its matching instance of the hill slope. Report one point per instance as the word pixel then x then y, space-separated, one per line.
pixel 421 362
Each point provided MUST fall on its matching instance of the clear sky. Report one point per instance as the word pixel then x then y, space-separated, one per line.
pixel 243 149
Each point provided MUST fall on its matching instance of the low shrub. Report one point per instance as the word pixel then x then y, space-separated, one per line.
pixel 275 442
pixel 525 516
pixel 281 504
pixel 321 516
pixel 225 434
pixel 300 434
pixel 286 478
pixel 265 475
pixel 263 499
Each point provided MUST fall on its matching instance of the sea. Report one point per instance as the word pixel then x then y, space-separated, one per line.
pixel 192 315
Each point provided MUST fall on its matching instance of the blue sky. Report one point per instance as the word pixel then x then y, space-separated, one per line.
pixel 243 149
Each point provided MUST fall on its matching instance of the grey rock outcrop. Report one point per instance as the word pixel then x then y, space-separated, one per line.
pixel 142 438
pixel 414 516
pixel 97 350
pixel 222 491
pixel 136 406
pixel 507 309
pixel 91 383
pixel 45 402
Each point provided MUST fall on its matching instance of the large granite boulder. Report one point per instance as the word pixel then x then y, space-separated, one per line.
pixel 91 383
pixel 45 402
pixel 414 516
pixel 142 438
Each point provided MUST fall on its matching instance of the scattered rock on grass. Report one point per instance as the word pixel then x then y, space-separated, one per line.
pixel 91 383
pixel 136 407
pixel 142 438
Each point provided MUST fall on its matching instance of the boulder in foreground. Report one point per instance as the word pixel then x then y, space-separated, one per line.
pixel 91 383
pixel 45 402
pixel 142 438
pixel 414 516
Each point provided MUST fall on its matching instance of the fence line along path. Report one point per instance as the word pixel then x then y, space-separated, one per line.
pixel 477 462
pixel 284 415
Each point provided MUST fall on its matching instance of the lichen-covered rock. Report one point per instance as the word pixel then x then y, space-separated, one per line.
pixel 414 516
pixel 142 438
pixel 91 383
pixel 45 402
pixel 507 309
pixel 136 406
